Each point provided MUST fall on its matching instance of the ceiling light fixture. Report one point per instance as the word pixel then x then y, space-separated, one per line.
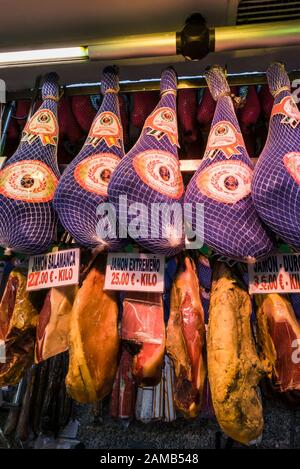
pixel 34 57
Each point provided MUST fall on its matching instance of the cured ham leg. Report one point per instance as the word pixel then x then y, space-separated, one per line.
pixel 18 318
pixel 222 183
pixel 143 327
pixel 279 340
pixel 29 178
pixel 54 322
pixel 94 339
pixel 186 339
pixel 275 185
pixel 234 368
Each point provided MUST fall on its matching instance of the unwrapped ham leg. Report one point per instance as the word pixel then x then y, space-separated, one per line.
pixel 144 329
pixel 186 339
pixel 94 339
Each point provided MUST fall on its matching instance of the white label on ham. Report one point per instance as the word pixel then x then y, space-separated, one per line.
pixel 135 272
pixel 43 125
pixel 226 181
pixel 279 273
pixel 224 137
pixel 288 108
pixel 55 269
pixel 163 122
pixel 160 170
pixel 31 181
pixel 93 173
pixel 106 126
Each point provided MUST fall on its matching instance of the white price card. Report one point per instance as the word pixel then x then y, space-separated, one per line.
pixel 55 269
pixel 135 272
pixel 279 273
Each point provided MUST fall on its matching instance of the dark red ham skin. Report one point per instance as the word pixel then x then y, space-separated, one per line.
pixel 68 126
pixel 283 336
pixel 266 101
pixel 187 114
pixel 206 109
pixel 248 116
pixel 122 402
pixel 22 111
pixel 143 104
pixel 83 111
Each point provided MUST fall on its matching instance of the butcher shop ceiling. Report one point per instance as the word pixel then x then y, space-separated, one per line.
pixel 76 23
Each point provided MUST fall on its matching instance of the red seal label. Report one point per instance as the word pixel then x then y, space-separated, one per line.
pixel 93 173
pixel 288 108
pixel 225 181
pixel 43 125
pixel 31 181
pixel 160 171
pixel 106 127
pixel 224 137
pixel 163 121
pixel 292 163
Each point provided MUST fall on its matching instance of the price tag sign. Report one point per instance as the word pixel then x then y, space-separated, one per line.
pixel 279 273
pixel 55 269
pixel 135 272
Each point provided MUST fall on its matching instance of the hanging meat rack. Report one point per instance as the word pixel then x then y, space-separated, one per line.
pixel 194 42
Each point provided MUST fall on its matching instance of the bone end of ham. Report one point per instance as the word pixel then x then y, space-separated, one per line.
pixel 143 329
pixel 94 340
pixel 147 364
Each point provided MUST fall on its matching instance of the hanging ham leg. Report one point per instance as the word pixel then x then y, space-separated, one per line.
pixel 18 319
pixel 186 339
pixel 279 339
pixel 94 339
pixel 234 368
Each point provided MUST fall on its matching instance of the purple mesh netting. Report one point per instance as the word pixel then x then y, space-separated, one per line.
pixel 28 180
pixel 222 183
pixel 276 178
pixel 83 186
pixel 150 174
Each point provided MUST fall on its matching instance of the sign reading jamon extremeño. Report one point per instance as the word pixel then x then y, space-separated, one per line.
pixel 135 272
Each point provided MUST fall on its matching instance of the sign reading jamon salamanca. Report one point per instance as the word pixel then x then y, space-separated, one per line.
pixel 55 269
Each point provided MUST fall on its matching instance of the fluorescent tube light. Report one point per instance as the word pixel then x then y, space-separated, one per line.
pixel 33 57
